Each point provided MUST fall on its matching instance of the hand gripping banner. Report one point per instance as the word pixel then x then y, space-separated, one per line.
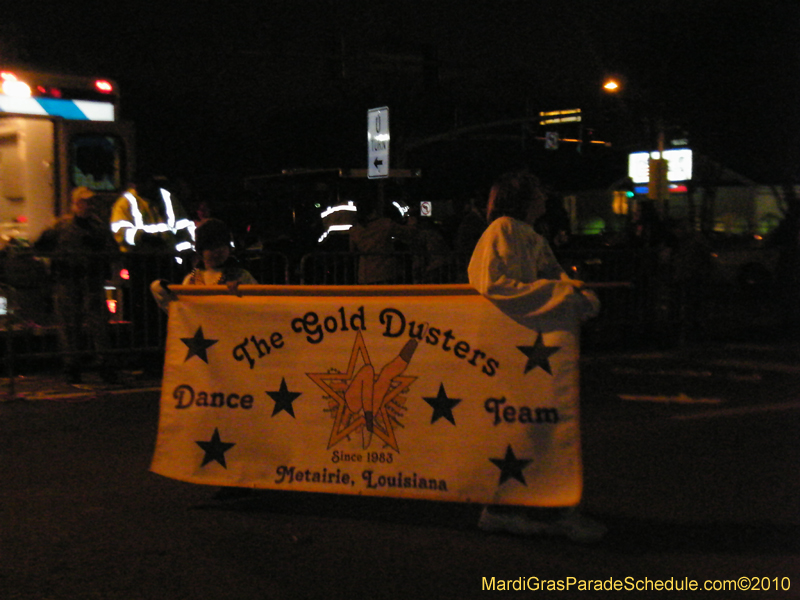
pixel 426 392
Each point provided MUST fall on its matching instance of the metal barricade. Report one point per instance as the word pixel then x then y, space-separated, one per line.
pixel 404 268
pixel 635 291
pixel 633 286
pixel 268 267
pixel 136 326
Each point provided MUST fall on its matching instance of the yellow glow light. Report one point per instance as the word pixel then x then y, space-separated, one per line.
pixel 552 113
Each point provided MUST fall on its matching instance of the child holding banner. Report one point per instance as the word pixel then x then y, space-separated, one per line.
pixel 215 267
pixel 514 268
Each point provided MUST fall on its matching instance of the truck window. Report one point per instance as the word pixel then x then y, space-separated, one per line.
pixel 96 161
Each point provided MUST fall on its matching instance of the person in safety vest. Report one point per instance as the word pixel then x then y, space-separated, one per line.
pixel 147 217
pixel 152 230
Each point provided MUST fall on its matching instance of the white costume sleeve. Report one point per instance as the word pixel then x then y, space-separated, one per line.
pixel 515 268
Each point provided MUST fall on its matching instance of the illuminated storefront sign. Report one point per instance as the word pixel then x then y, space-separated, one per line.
pixel 680 165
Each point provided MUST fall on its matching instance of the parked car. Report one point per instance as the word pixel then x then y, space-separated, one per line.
pixel 748 261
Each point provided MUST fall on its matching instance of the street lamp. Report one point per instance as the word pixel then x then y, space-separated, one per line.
pixel 658 167
pixel 611 85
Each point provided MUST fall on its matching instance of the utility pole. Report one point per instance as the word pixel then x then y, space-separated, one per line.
pixel 658 187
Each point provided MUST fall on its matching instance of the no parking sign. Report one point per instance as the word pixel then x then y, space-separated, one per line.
pixel 425 208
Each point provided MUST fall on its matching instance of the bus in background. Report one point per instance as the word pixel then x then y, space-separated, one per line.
pixel 58 132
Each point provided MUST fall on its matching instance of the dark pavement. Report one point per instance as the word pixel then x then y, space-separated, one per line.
pixel 691 458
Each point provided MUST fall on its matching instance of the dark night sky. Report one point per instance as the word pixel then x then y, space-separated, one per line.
pixel 247 87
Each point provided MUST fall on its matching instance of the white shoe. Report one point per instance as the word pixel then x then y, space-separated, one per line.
pixel 577 527
pixel 572 525
pixel 511 522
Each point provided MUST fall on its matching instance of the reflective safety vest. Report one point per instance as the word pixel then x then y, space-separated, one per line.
pixel 132 214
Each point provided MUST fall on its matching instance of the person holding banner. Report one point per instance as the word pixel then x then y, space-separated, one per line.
pixel 515 268
pixel 215 267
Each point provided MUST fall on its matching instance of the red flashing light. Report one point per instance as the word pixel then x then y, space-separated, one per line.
pixel 103 86
pixel 45 91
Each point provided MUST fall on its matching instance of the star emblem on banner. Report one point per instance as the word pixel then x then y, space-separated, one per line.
pixel 511 466
pixel 346 421
pixel 215 449
pixel 538 355
pixel 198 345
pixel 442 405
pixel 283 399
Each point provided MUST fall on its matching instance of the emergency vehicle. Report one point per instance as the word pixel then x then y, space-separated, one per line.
pixel 58 132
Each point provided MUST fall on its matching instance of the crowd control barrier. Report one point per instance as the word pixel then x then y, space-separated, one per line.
pixel 633 285
pixel 136 326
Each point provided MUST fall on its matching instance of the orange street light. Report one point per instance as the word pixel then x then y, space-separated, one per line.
pixel 611 85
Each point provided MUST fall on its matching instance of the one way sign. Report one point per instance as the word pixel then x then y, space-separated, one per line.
pixel 378 142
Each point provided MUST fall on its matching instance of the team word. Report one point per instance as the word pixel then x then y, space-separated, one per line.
pixel 519 414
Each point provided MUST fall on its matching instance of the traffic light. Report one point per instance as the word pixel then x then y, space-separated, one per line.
pixel 659 185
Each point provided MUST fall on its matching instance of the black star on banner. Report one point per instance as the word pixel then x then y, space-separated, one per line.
pixel 511 466
pixel 215 449
pixel 538 355
pixel 283 399
pixel 198 345
pixel 442 406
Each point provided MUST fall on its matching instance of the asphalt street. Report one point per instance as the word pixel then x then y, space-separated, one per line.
pixel 691 458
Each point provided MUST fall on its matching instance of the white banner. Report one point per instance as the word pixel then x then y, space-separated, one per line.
pixel 425 392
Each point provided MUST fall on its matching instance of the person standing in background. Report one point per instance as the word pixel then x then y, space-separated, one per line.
pixel 82 249
pixel 373 239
